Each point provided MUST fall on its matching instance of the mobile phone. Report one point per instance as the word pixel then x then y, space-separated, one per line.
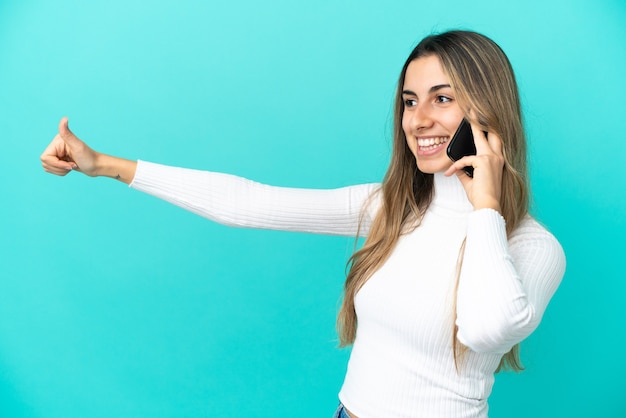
pixel 462 145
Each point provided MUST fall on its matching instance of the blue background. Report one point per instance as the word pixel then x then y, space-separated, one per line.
pixel 115 304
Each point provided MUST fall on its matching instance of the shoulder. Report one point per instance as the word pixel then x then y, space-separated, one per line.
pixel 533 239
pixel 531 231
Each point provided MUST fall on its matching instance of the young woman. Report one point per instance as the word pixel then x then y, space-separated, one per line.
pixel 453 274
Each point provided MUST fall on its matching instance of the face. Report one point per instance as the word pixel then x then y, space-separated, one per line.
pixel 431 113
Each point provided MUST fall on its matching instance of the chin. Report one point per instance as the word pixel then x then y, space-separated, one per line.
pixel 429 168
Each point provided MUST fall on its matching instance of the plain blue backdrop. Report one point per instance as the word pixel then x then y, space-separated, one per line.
pixel 114 304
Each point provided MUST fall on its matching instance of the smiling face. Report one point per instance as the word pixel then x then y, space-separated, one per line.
pixel 431 113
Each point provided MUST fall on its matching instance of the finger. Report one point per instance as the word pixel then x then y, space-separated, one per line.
pixel 66 134
pixel 56 165
pixel 480 140
pixel 53 169
pixel 52 151
pixel 460 173
pixel 458 165
pixel 55 156
pixel 495 142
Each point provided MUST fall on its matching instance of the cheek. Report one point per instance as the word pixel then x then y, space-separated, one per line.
pixel 411 143
pixel 406 126
pixel 453 120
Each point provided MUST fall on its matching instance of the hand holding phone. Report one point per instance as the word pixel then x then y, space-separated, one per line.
pixel 462 145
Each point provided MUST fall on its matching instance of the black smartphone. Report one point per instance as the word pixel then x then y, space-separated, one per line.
pixel 462 145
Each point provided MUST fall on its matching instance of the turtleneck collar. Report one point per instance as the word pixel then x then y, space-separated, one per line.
pixel 450 194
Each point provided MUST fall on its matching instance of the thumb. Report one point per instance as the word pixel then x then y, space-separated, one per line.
pixel 64 131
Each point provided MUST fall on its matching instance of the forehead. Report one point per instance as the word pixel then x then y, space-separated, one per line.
pixel 424 73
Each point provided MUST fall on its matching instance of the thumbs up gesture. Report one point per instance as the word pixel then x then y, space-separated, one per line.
pixel 66 153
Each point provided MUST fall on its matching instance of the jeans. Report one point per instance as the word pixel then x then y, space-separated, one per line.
pixel 341 412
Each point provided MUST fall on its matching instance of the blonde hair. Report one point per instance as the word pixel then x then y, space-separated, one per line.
pixel 485 87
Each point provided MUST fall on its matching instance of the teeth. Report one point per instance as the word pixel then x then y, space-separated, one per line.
pixel 429 142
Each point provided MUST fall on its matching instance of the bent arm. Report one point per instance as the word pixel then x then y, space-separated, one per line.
pixel 235 201
pixel 505 284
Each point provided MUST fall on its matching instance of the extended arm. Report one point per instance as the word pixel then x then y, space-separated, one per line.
pixel 223 198
pixel 235 201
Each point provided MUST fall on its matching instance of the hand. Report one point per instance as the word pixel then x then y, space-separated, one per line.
pixel 66 153
pixel 485 188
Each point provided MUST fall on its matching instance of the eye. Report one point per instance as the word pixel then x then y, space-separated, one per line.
pixel 443 99
pixel 410 102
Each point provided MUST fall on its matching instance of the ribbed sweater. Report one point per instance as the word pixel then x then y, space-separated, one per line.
pixel 402 364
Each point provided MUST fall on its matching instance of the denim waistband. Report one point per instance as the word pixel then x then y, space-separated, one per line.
pixel 341 412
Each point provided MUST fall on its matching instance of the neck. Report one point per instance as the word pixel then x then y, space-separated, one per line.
pixel 450 194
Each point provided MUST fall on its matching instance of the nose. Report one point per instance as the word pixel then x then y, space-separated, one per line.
pixel 420 117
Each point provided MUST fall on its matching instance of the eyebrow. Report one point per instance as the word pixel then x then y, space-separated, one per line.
pixel 431 90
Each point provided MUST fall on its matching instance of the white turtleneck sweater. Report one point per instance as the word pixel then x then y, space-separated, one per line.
pixel 401 364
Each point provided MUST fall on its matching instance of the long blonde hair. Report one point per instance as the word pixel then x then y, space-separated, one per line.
pixel 484 83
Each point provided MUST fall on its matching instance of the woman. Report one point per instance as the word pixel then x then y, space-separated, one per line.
pixel 453 274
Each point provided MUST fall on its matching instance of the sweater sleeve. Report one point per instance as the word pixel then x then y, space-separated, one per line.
pixel 238 202
pixel 505 285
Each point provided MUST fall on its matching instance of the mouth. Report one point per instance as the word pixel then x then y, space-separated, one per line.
pixel 429 144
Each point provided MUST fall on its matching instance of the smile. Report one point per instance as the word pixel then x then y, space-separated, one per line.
pixel 427 144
